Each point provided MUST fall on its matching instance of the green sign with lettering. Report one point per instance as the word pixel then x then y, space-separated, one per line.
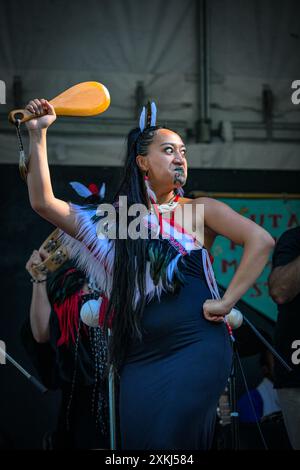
pixel 276 216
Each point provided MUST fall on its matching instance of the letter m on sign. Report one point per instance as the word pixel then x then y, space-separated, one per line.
pixel 226 265
pixel 2 352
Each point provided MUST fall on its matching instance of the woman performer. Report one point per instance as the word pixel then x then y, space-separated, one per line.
pixel 169 343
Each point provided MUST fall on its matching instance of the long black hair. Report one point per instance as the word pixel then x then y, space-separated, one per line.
pixel 130 256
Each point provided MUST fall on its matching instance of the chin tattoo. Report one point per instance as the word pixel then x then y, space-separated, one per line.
pixel 179 177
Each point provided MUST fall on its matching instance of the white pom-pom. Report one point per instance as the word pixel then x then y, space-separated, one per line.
pixel 89 312
pixel 234 318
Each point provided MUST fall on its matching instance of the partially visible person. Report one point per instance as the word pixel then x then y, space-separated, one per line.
pixel 262 407
pixel 69 355
pixel 284 288
pixel 264 397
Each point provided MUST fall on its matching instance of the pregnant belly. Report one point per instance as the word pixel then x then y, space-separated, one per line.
pixel 174 322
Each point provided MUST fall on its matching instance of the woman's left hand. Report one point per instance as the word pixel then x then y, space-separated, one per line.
pixel 215 310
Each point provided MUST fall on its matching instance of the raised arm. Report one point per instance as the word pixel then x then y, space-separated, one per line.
pixel 257 244
pixel 41 195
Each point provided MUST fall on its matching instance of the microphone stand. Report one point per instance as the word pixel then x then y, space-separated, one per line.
pixel 268 345
pixel 41 388
pixel 232 383
pixel 235 439
pixel 112 405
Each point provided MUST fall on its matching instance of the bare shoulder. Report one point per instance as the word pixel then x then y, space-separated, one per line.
pixel 185 200
pixel 198 223
pixel 209 205
pixel 225 221
pixel 207 202
pixel 213 207
pixel 195 201
pixel 210 234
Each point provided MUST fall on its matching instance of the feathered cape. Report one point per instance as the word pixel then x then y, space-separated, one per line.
pixel 94 252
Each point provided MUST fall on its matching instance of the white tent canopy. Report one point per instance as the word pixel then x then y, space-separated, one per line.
pixel 54 44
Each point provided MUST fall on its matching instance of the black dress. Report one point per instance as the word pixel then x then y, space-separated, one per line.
pixel 171 381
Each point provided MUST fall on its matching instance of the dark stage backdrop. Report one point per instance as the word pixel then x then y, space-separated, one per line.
pixel 25 415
